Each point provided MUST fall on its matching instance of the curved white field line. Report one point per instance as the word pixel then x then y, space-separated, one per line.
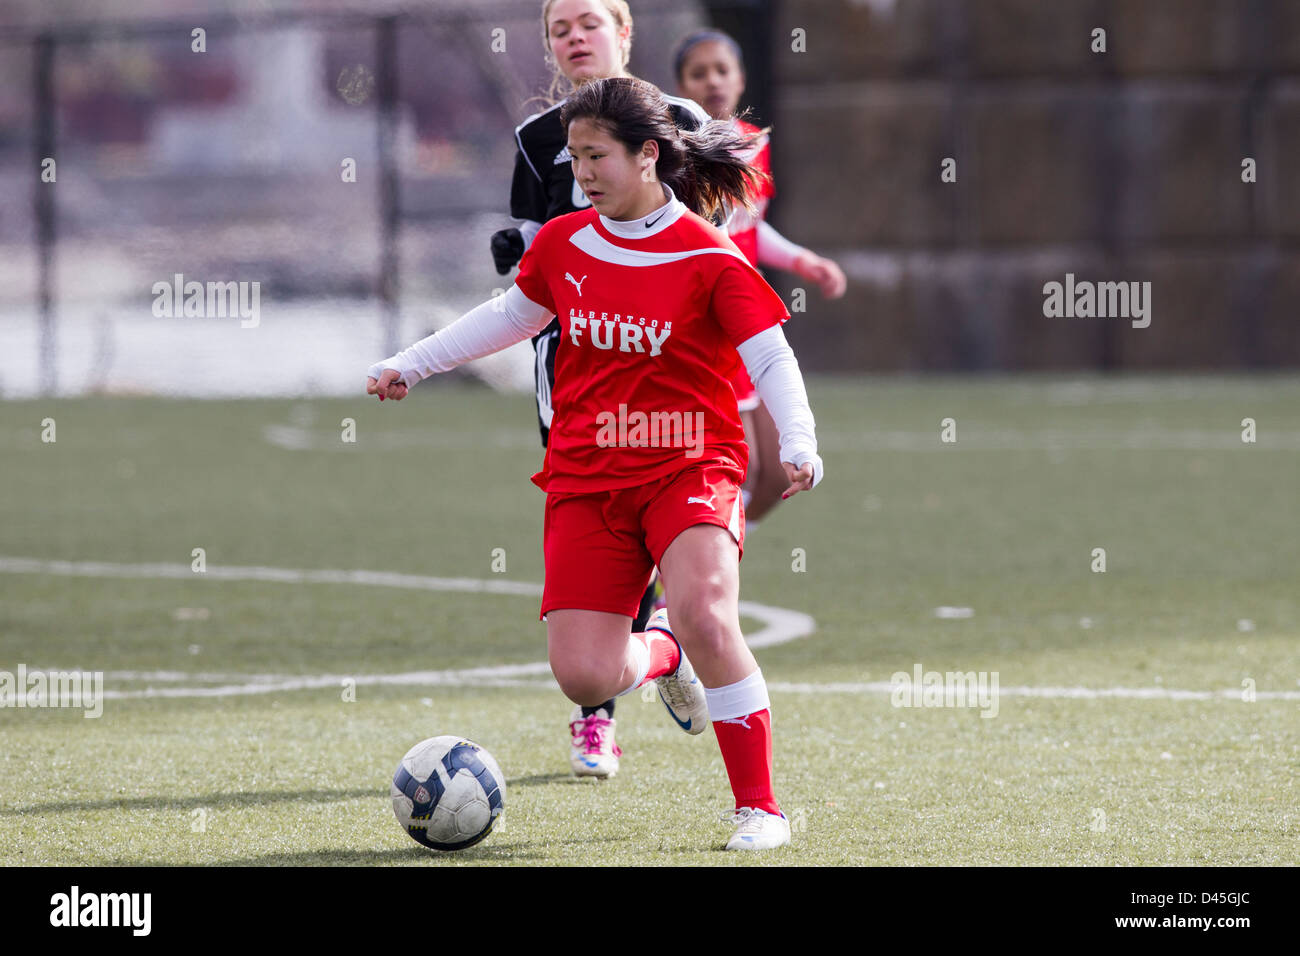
pixel 780 625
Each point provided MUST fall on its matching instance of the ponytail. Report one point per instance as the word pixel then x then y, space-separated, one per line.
pixel 713 174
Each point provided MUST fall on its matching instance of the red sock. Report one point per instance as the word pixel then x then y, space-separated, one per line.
pixel 665 655
pixel 746 744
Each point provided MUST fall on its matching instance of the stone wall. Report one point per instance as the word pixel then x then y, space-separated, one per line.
pixel 1116 166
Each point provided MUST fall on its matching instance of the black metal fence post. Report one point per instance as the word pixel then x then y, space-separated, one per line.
pixel 43 199
pixel 389 194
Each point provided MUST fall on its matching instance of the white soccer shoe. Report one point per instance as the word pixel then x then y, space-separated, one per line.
pixel 592 751
pixel 758 830
pixel 681 691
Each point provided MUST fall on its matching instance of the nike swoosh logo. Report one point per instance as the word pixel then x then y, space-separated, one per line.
pixel 657 218
pixel 671 713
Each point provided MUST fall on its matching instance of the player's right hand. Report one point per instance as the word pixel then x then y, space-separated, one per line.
pixel 801 478
pixel 507 249
pixel 387 385
pixel 825 272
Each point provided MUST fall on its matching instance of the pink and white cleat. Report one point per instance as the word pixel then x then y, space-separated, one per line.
pixel 592 751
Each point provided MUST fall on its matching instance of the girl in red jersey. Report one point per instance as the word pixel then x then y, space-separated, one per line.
pixel 710 70
pixel 646 454
pixel 584 40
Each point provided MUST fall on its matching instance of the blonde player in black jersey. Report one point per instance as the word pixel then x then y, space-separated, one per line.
pixel 584 40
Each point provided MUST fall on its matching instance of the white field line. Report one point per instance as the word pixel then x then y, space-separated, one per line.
pixel 389 579
pixel 294 438
pixel 532 676
pixel 782 625
pixel 298 438
pixel 1056 693
pixel 779 626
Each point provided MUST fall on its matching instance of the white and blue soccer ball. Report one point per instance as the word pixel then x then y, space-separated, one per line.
pixel 448 793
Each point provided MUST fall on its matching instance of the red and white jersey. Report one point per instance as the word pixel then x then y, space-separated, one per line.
pixel 651 312
pixel 742 227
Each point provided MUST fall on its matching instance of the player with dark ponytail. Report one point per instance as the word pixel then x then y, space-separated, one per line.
pixel 584 40
pixel 657 310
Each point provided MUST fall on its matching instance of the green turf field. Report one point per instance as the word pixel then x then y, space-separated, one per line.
pixel 1201 593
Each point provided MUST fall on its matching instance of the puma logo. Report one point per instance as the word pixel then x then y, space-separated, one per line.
pixel 701 501
pixel 577 285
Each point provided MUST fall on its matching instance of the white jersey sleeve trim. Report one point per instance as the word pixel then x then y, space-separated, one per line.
pixel 496 324
pixel 775 373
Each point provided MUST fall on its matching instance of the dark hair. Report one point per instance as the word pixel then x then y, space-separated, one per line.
pixel 704 36
pixel 703 168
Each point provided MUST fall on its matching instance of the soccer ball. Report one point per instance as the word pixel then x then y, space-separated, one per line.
pixel 448 793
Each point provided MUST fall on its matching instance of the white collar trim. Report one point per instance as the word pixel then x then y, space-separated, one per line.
pixel 651 224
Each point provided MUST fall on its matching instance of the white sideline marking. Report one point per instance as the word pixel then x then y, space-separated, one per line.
pixel 515 675
pixel 295 438
pixel 782 625
pixel 389 579
pixel 1060 693
pixel 1058 440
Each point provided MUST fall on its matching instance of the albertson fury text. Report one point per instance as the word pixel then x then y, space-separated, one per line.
pixel 631 332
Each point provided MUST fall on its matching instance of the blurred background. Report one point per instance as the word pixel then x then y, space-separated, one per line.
pixel 227 165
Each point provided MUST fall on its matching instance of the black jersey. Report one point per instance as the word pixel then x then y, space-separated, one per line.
pixel 544 188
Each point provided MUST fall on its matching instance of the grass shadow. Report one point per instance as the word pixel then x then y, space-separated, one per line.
pixel 541 779
pixel 210 800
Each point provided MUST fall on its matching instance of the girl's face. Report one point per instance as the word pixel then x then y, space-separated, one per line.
pixel 585 41
pixel 712 77
pixel 615 180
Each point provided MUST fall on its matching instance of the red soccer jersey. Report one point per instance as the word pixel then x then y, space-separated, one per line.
pixel 742 227
pixel 650 312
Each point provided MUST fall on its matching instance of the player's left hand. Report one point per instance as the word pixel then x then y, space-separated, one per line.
pixel 801 479
pixel 828 276
pixel 387 386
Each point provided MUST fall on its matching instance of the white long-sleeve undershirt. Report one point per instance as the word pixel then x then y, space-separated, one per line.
pixel 512 317
pixel 775 373
pixel 775 250
pixel 495 325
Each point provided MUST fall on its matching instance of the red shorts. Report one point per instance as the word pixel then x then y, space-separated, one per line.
pixel 601 547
